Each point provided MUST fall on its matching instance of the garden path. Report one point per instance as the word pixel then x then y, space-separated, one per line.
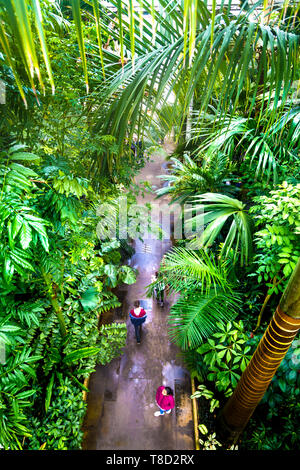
pixel 121 401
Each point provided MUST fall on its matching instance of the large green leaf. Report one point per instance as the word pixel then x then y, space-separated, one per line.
pixel 127 275
pixel 90 299
pixel 185 269
pixel 193 318
pixel 49 390
pixel 223 49
pixel 82 353
pixel 25 156
pixel 111 272
pixel 228 217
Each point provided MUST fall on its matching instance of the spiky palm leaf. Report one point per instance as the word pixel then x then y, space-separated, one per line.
pixel 190 177
pixel 231 58
pixel 218 211
pixel 206 295
pixel 185 269
pixel 188 43
pixel 193 318
pixel 242 138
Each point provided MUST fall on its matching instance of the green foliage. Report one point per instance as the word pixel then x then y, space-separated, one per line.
pixel 21 226
pixel 189 178
pixel 277 240
pixel 17 390
pixel 202 391
pixel 210 442
pixel 225 355
pixel 112 340
pixel 242 139
pixel 218 210
pixel 206 295
pixel 235 102
pixel 58 276
pixel 60 427
pixel 275 423
pixel 195 317
pixel 68 184
pixel 285 386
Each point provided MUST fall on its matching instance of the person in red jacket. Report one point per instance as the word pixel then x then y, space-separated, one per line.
pixel 137 317
pixel 165 400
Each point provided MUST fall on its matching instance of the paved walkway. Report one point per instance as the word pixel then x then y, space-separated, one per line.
pixel 121 401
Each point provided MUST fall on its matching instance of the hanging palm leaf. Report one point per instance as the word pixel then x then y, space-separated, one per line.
pixel 189 178
pixel 183 269
pixel 193 318
pixel 77 20
pixel 163 69
pixel 219 210
pixel 99 32
pixel 206 295
pixel 242 138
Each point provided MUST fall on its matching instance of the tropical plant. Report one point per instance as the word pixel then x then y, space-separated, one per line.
pixel 112 341
pixel 276 216
pixel 170 67
pixel 225 355
pixel 210 442
pixel 218 209
pixel 194 317
pixel 241 405
pixel 17 390
pixel 277 241
pixel 241 139
pixel 284 388
pixel 202 391
pixel 224 84
pixel 56 281
pixel 206 295
pixel 188 178
pixel 194 45
pixel 281 434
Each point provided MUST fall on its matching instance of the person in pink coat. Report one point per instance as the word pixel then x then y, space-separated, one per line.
pixel 164 400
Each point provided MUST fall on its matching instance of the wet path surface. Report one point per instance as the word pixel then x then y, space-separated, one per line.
pixel 121 401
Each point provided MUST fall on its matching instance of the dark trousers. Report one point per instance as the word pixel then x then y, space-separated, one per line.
pixel 138 329
pixel 137 323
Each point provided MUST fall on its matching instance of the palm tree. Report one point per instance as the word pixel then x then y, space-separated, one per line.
pixel 194 317
pixel 218 210
pixel 183 44
pixel 244 138
pixel 222 66
pixel 266 359
pixel 206 295
pixel 188 178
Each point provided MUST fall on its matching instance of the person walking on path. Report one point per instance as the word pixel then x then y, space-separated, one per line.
pixel 159 289
pixel 138 317
pixel 164 400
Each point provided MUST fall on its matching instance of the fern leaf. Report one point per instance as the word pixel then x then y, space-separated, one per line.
pixel 25 235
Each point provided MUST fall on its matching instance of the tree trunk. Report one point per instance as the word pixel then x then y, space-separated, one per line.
pixel 55 304
pixel 266 359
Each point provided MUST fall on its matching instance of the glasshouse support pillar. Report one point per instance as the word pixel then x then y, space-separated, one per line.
pixel 263 365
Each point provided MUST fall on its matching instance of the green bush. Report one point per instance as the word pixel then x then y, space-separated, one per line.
pixel 60 427
pixel 225 356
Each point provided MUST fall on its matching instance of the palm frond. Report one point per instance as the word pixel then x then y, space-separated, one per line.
pixel 191 177
pixel 193 318
pixel 187 269
pixel 218 211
